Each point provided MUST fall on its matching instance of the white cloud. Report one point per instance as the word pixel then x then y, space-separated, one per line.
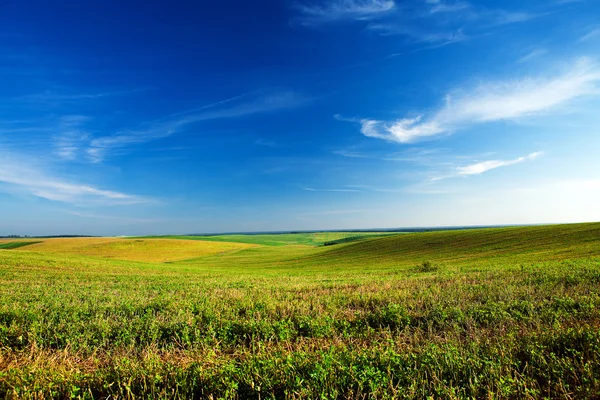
pixel 532 55
pixel 440 7
pixel 239 106
pixel 492 102
pixel 337 10
pixel 594 33
pixel 113 218
pixel 335 212
pixel 57 97
pixel 267 143
pixel 501 17
pixel 481 167
pixel 444 22
pixel 308 189
pixel 404 131
pixel 68 143
pixel 21 173
pixel 436 22
pixel 433 35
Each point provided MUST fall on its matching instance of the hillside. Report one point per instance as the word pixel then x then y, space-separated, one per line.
pixel 504 313
pixel 150 250
pixel 550 242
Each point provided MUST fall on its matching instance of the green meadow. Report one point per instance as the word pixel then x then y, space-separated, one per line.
pixel 15 244
pixel 503 313
pixel 311 239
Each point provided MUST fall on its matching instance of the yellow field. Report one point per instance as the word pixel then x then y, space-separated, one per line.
pixel 150 250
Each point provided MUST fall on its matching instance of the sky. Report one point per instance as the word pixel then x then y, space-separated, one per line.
pixel 131 118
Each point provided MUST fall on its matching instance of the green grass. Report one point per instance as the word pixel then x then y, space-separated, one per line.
pixel 15 245
pixel 500 313
pixel 515 243
pixel 285 239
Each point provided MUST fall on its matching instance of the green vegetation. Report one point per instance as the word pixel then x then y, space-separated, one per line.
pixel 496 313
pixel 152 250
pixel 14 245
pixel 285 239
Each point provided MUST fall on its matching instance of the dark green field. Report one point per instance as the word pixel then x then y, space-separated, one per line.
pixel 311 239
pixel 507 313
pixel 14 245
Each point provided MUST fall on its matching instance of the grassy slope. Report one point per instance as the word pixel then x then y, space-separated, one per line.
pixel 510 313
pixel 309 239
pixel 10 245
pixel 501 247
pixel 152 250
pixel 523 243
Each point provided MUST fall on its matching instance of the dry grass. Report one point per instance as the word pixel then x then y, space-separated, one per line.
pixel 148 250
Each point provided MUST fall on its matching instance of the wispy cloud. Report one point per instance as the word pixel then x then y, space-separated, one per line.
pixel 594 33
pixel 491 102
pixel 21 173
pixel 444 22
pixel 420 34
pixel 309 189
pixel 368 188
pixel 68 144
pixel 422 21
pixel 267 143
pixel 60 97
pixel 244 105
pixel 51 96
pixel 351 154
pixel 484 166
pixel 321 12
pixel 568 1
pixel 69 140
pixel 532 55
pixel 503 17
pixel 439 6
pixel 481 167
pixel 335 212
pixel 112 218
pixel 424 156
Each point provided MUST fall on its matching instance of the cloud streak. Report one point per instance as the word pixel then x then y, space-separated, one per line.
pixel 322 12
pixel 422 21
pixel 52 96
pixel 16 174
pixel 68 143
pixel 532 55
pixel 309 189
pixel 443 22
pixel 481 167
pixel 259 102
pixel 594 33
pixel 490 102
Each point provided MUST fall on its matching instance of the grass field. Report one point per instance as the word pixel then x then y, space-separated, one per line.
pixel 510 313
pixel 152 250
pixel 308 239
pixel 13 244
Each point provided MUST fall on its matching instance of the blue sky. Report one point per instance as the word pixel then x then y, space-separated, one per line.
pixel 118 118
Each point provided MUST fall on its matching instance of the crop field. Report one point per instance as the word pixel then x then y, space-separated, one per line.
pixel 504 313
pixel 153 250
pixel 310 239
pixel 13 244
